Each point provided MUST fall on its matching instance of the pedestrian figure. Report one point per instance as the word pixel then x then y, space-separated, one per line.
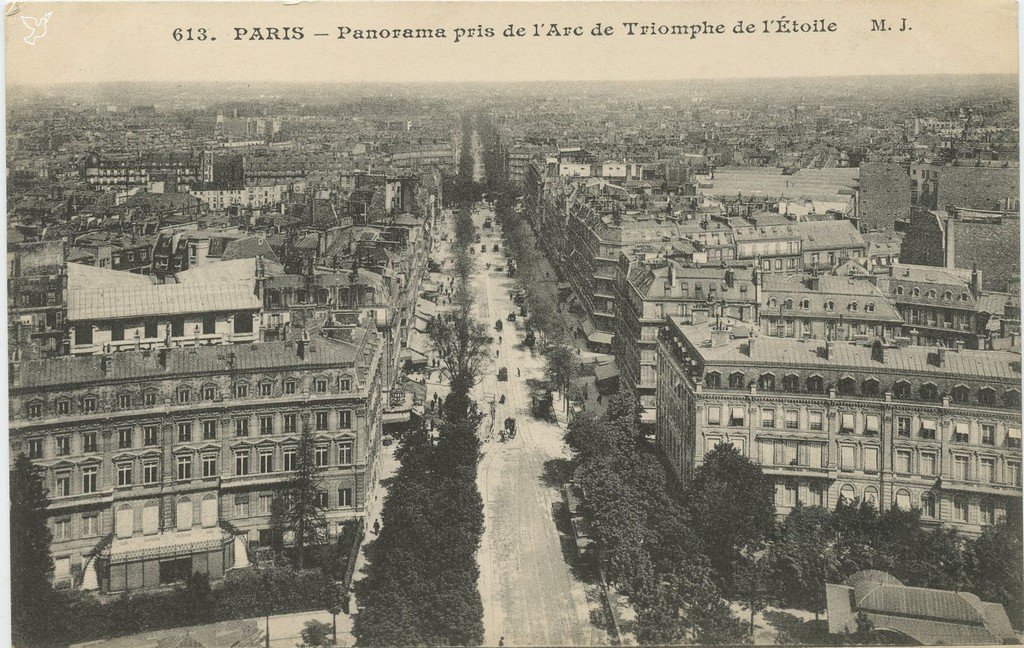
pixel 497 352
pixel 499 339
pixel 501 642
pixel 376 527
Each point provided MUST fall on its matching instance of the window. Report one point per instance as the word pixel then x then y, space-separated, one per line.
pixel 871 495
pixel 321 421
pixel 871 459
pixel 846 458
pixel 960 394
pixel 90 526
pixel 903 426
pixel 265 503
pixel 289 387
pixel 1013 437
pixel 345 419
pixel 266 389
pixel 241 506
pixel 736 380
pixel 177 327
pixel 35 448
pixel 321 499
pixel 961 432
pixel 63 445
pixel 150 435
pixel 150 472
pixel 713 380
pixel 846 422
pixel 847 493
pixel 124 474
pixel 184 467
pixel 345 453
pixel 901 389
pixel 62 483
pixel 209 325
pixel 830 306
pixel 241 390
pixel 117 331
pixel 241 462
pixel 714 415
pixel 266 461
pixel 815 385
pixel 903 462
pixel 815 421
pixel 988 434
pixel 208 392
pixel 320 458
pixel 847 386
pixel 62 529
pixel 176 570
pixel 320 385
pixel 902 499
pixel 791 383
pixel 291 459
pixel 987 468
pixel 872 424
pixel 184 395
pixel 928 428
pixel 928 464
pixel 89 404
pixel 266 425
pixel 792 419
pixel 184 432
pixel 209 465
pixel 988 511
pixel 209 429
pixel 344 497
pixel 63 406
pixel 767 418
pixel 242 427
pixel 345 384
pixel 83 334
pixel 928 505
pixel 766 382
pixel 737 417
pixel 816 494
pixel 124 438
pixel 151 331
pixel 243 323
pixel 805 304
pixel 1012 399
pixel 929 392
pixel 870 387
pixel 149 398
pixel 290 423
pixel 960 512
pixel 987 396
pixel 89 484
pixel 1013 473
pixel 124 401
pixel 960 467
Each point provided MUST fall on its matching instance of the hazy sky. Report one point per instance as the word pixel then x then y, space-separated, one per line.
pixel 128 41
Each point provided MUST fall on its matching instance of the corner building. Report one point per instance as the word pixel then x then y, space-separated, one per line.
pixel 166 461
pixel 923 427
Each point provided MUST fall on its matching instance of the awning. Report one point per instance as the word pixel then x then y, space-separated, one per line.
pixel 588 327
pixel 412 355
pixel 606 371
pixel 600 337
pixel 168 544
pixel 648 416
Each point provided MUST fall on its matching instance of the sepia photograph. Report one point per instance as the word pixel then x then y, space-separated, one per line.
pixel 571 323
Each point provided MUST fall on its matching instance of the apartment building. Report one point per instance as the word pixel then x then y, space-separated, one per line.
pixel 931 428
pixel 164 462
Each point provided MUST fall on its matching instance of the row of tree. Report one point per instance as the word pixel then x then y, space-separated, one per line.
pixel 421 579
pixel 720 532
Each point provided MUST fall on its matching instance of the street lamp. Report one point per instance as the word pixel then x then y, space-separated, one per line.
pixel 337 607
pixel 265 592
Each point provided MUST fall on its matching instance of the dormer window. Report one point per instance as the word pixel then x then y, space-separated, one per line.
pixel 184 395
pixel 805 304
pixel 830 306
pixel 899 290
pixel 345 384
pixel 870 307
pixel 916 292
pixel 35 409
pixel 320 385
pixel 852 307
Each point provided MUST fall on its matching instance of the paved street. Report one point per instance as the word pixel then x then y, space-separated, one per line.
pixel 530 594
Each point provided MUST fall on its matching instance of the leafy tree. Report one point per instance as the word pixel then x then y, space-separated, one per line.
pixel 754 586
pixel 562 368
pixel 731 505
pixel 31 564
pixel 998 572
pixel 461 344
pixel 316 634
pixel 804 558
pixel 304 514
pixel 592 438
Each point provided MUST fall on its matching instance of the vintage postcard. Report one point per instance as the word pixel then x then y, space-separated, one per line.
pixel 513 323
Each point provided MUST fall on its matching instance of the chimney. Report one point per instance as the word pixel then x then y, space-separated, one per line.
pixel 162 357
pixel 302 346
pixel 959 345
pixel 107 362
pixel 975 281
pixel 750 346
pixel 940 357
pixel 671 274
pixel 828 351
pixel 720 337
pixel 730 278
pixel 949 245
pixel 878 351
